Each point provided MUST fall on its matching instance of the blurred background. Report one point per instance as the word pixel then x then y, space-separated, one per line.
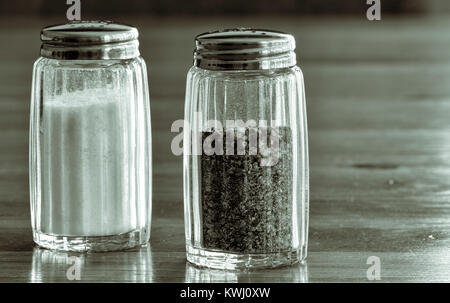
pixel 378 98
pixel 93 8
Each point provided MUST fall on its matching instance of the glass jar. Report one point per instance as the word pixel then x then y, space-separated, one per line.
pixel 245 152
pixel 90 139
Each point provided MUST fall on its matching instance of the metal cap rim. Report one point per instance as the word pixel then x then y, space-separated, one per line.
pixel 89 40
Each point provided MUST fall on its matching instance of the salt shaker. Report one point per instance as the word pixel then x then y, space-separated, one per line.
pixel 90 139
pixel 245 152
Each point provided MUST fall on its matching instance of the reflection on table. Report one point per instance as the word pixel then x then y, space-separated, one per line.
pixel 125 266
pixel 296 273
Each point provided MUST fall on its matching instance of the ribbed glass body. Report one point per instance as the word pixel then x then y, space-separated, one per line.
pixel 242 212
pixel 90 154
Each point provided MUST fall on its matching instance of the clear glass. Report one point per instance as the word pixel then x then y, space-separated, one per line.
pixel 90 154
pixel 239 213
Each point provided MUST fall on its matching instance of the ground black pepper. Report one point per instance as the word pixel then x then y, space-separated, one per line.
pixel 246 207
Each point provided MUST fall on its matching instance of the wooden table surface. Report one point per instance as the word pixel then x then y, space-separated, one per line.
pixel 378 98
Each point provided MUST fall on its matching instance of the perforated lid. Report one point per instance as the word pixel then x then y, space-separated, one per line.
pixel 89 40
pixel 243 48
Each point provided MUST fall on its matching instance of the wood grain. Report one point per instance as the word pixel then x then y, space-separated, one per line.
pixel 378 99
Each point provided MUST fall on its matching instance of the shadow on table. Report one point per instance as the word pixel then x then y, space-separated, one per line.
pixel 297 273
pixel 124 266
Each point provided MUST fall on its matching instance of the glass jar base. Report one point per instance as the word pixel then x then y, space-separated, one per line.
pixel 92 243
pixel 233 261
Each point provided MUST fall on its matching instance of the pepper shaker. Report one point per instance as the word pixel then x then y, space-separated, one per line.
pixel 90 139
pixel 246 183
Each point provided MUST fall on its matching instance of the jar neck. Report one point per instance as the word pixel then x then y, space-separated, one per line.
pixel 112 51
pixel 244 61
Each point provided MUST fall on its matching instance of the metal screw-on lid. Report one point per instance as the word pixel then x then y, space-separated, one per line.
pixel 89 40
pixel 244 49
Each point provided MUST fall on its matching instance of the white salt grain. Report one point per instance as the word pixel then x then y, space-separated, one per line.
pixel 86 173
